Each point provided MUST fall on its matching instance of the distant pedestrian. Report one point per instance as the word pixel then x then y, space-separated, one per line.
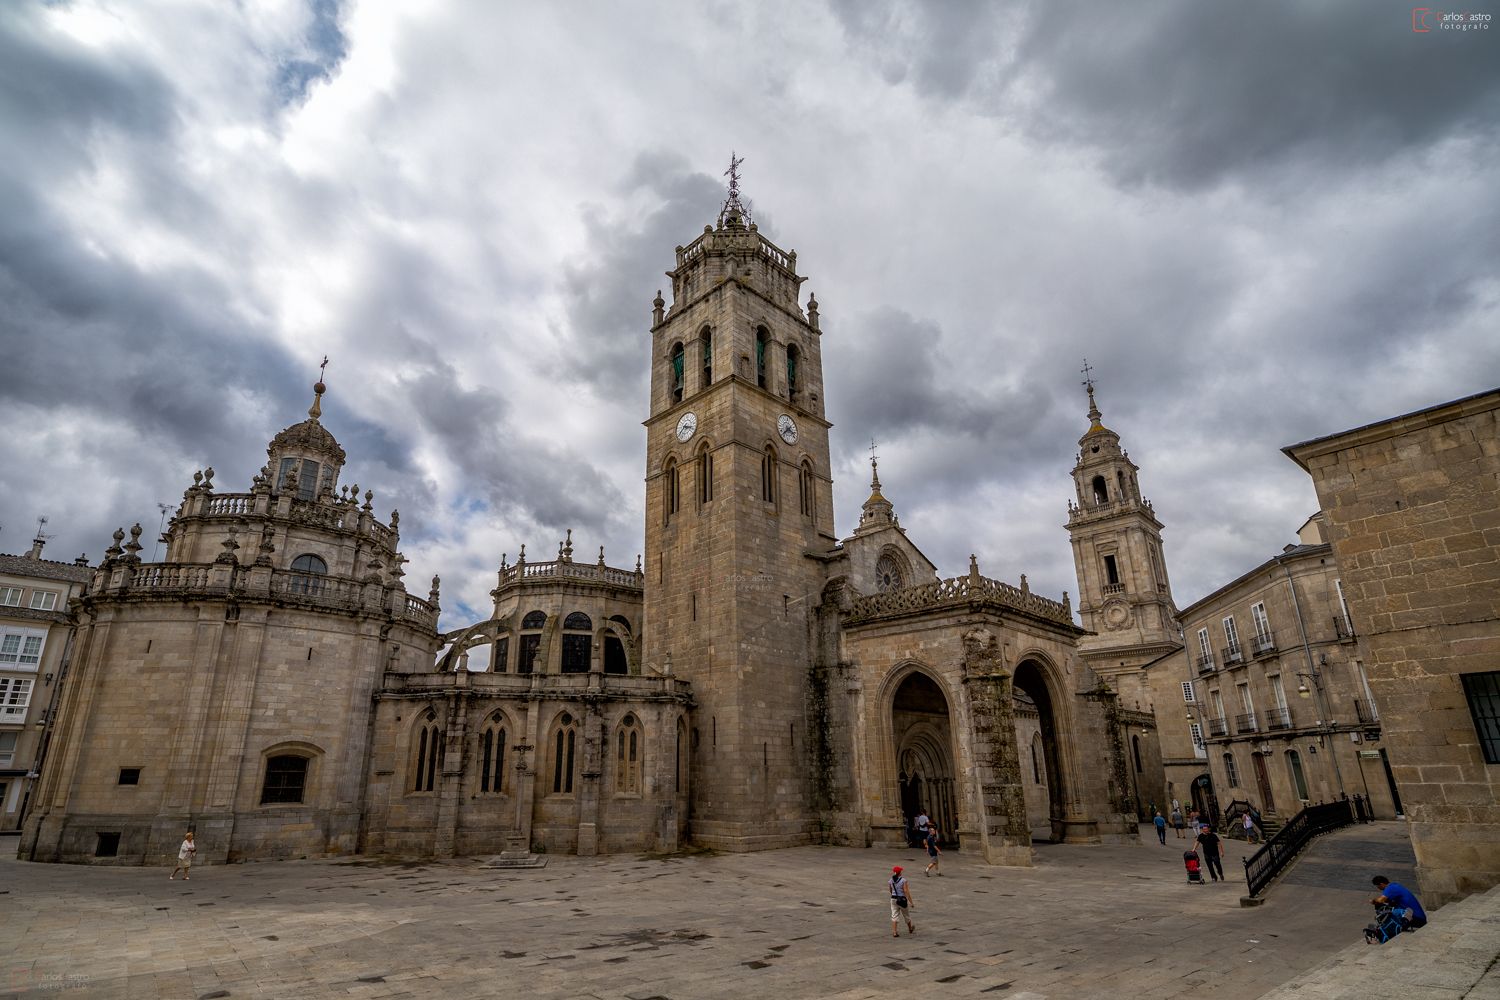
pixel 932 851
pixel 1212 849
pixel 922 823
pixel 1160 822
pixel 901 902
pixel 185 855
pixel 1250 833
pixel 1177 819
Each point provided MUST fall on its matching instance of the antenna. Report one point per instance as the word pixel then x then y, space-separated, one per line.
pixel 41 523
pixel 164 508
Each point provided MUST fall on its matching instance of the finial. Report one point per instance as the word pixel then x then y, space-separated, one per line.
pixel 1088 383
pixel 874 469
pixel 316 410
pixel 973 569
pixel 369 496
pixel 658 309
pixel 521 559
pixel 432 595
pixel 1025 587
pixel 208 478
pixel 812 310
pixel 567 549
pixel 601 557
pixel 198 478
pixel 637 564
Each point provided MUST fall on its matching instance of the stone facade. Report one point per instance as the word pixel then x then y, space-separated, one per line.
pixel 1271 685
pixel 1413 508
pixel 35 649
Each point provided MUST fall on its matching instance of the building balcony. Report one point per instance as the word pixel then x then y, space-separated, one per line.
pixel 1263 645
pixel 1246 724
pixel 1114 588
pixel 1233 654
pixel 1278 718
pixel 1218 727
pixel 1364 712
pixel 1206 665
pixel 1343 629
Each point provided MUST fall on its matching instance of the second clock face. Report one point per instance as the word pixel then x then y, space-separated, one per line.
pixel 687 426
pixel 787 427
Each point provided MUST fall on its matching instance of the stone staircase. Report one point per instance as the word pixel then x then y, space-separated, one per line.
pixel 1456 955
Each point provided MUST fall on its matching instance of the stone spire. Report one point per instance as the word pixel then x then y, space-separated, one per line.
pixel 877 510
pixel 1096 424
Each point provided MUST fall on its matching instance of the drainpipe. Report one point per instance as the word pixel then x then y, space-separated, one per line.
pixel 1315 677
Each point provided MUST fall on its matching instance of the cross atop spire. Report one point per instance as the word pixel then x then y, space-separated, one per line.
pixel 734 212
pixel 1095 416
pixel 316 410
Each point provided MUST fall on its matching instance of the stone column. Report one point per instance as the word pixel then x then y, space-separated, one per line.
pixel 1004 833
pixel 456 738
pixel 592 775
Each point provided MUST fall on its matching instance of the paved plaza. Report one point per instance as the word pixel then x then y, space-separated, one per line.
pixel 801 922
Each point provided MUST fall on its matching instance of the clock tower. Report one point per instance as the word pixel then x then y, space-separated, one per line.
pixel 1124 596
pixel 738 505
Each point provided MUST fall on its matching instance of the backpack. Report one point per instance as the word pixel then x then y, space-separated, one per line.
pixel 1386 926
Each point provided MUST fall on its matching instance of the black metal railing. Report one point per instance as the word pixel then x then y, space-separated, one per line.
pixel 1217 727
pixel 1263 645
pixel 1232 654
pixel 1278 718
pixel 1343 628
pixel 1245 724
pixel 1364 712
pixel 1205 664
pixel 1281 850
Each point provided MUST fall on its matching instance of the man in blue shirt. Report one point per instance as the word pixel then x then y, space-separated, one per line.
pixel 1400 898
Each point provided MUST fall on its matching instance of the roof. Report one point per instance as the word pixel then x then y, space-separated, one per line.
pixel 1289 553
pixel 45 569
pixel 1391 426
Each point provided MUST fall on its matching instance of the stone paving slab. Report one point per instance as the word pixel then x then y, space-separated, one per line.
pixel 801 922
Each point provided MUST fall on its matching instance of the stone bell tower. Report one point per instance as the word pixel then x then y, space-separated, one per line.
pixel 738 493
pixel 1124 596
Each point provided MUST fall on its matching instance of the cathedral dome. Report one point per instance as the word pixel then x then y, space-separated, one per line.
pixel 308 436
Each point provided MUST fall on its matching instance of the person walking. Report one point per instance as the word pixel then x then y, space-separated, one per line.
pixel 1177 819
pixel 185 855
pixel 1160 822
pixel 901 902
pixel 932 851
pixel 1211 848
pixel 922 822
pixel 1250 834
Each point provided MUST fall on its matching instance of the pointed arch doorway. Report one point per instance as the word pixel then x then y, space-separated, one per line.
pixel 923 732
pixel 1034 698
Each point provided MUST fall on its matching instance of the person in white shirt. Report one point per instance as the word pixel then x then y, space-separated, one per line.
pixel 185 855
pixel 901 902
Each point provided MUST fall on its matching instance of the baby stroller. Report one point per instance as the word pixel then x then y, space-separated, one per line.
pixel 1194 867
pixel 1388 923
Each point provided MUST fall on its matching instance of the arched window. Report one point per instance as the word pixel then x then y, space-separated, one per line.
pixel 500 662
pixel 806 496
pixel 531 641
pixel 286 779
pixel 677 360
pixel 492 756
pixel 761 338
pixel 889 574
pixel 576 647
pixel 793 356
pixel 708 356
pixel 564 750
pixel 1231 771
pixel 615 661
pixel 768 475
pixel 670 485
pixel 705 474
pixel 307 570
pixel 629 749
pixel 1299 780
pixel 1101 491
pixel 307 477
pixel 427 755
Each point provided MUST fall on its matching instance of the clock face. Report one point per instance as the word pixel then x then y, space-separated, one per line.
pixel 687 426
pixel 787 428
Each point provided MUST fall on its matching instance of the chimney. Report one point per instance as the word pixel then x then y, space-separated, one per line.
pixel 36 547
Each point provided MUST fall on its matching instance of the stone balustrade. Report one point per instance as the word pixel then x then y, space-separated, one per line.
pixel 564 569
pixel 959 590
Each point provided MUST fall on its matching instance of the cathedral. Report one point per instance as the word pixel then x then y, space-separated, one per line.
pixel 754 681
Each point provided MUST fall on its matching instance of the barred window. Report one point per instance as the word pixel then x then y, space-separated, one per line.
pixel 286 779
pixel 1483 692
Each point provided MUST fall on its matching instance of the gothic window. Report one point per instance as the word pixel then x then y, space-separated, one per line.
pixel 502 655
pixel 677 361
pixel 792 357
pixel 308 568
pixel 286 779
pixel 805 490
pixel 761 337
pixel 576 648
pixel 708 356
pixel 427 754
pixel 705 474
pixel 888 574
pixel 670 475
pixel 492 756
pixel 629 747
pixel 1299 780
pixel 564 755
pixel 768 476
pixel 1101 491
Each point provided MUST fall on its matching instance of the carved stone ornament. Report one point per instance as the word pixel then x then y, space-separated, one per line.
pixel 982 655
pixel 1117 615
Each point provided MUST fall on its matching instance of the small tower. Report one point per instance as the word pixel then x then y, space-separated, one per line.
pixel 1124 596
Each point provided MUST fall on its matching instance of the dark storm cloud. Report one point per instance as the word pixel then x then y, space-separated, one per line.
pixel 1188 94
pixel 608 295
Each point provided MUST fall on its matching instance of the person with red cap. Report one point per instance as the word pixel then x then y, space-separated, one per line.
pixel 901 902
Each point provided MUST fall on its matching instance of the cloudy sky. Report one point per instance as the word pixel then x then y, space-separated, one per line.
pixel 1260 224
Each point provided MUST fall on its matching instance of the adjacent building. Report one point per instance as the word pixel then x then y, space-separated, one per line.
pixel 35 641
pixel 1413 512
